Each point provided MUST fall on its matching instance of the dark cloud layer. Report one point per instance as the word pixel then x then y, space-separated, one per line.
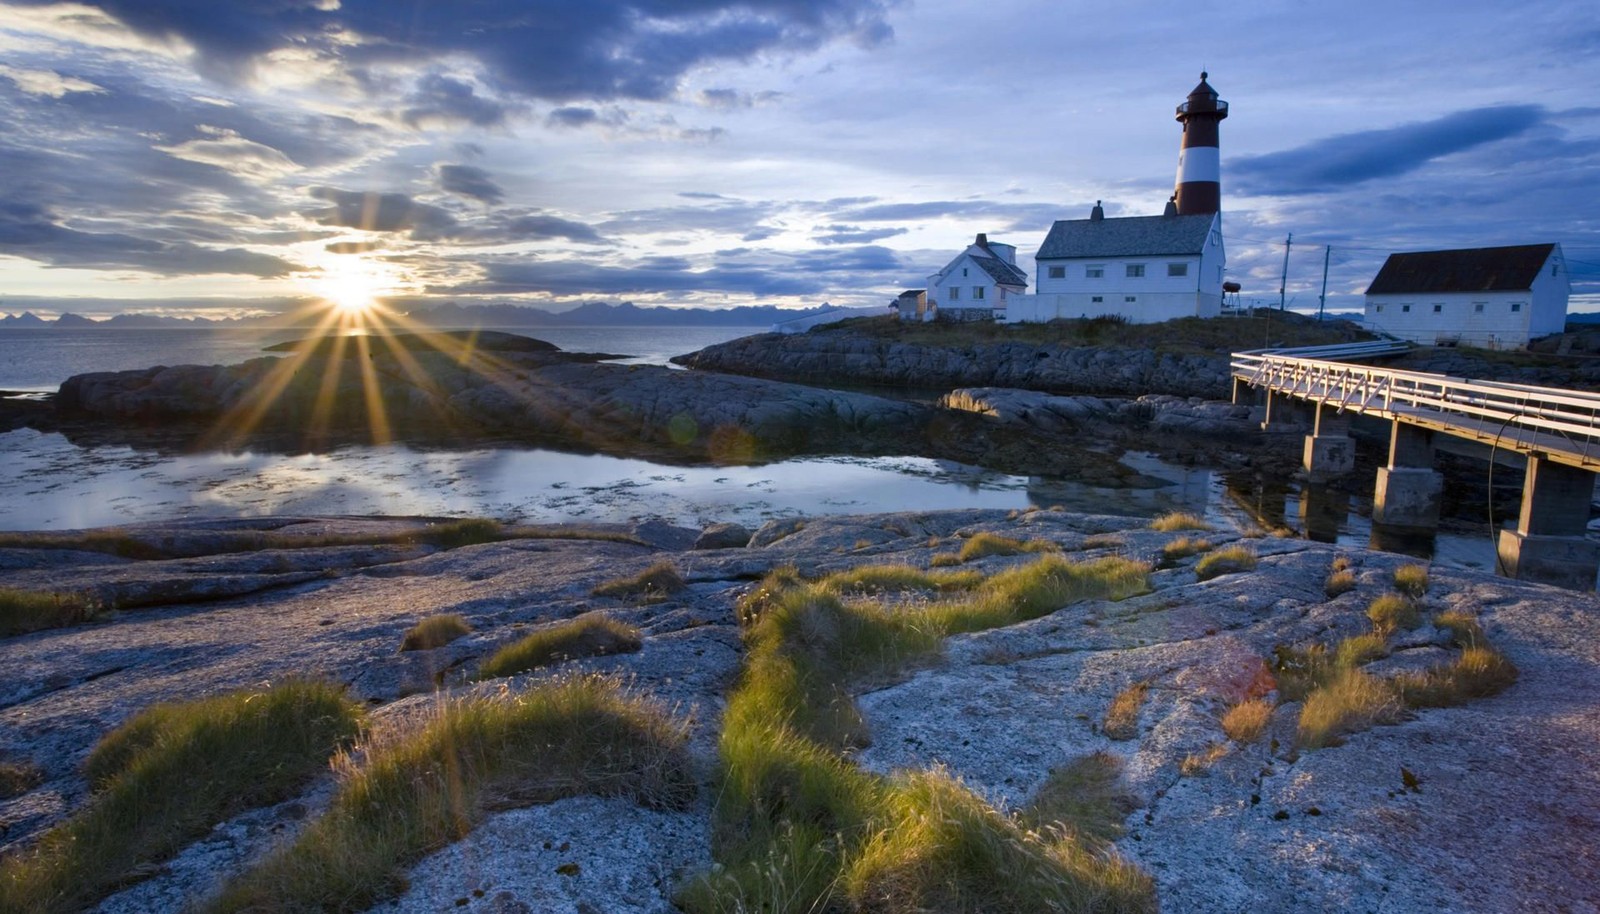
pixel 470 181
pixel 29 231
pixel 548 49
pixel 1353 158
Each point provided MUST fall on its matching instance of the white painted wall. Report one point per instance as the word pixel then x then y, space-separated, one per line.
pixel 974 287
pixel 1490 320
pixel 1157 296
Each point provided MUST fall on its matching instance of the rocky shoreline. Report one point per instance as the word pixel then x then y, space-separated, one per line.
pixel 1485 807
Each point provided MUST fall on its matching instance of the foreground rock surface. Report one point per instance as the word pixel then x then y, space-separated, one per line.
pixel 1504 813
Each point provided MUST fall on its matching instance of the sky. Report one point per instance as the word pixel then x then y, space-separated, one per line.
pixel 239 157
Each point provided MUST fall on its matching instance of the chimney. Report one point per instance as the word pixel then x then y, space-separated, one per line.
pixel 983 240
pixel 1172 206
pixel 1096 214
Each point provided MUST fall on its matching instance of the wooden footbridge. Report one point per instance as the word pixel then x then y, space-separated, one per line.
pixel 1556 429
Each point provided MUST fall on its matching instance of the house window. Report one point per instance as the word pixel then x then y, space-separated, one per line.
pixel 977 291
pixel 1516 306
pixel 955 293
pixel 1406 308
pixel 963 271
pixel 1097 299
pixel 1058 272
pixel 1378 308
pixel 1130 299
pixel 1135 270
pixel 1438 309
pixel 1477 307
pixel 1177 269
pixel 1094 272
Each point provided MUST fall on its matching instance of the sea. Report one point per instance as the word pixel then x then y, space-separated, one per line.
pixel 50 483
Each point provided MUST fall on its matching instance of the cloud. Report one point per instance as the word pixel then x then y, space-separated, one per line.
pixel 572 116
pixel 31 232
pixel 226 149
pixel 1353 158
pixel 375 212
pixel 440 101
pixel 852 234
pixel 543 225
pixel 47 83
pixel 733 98
pixel 470 181
pixel 352 247
pixel 1009 217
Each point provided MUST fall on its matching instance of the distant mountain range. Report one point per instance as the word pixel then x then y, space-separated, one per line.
pixel 453 316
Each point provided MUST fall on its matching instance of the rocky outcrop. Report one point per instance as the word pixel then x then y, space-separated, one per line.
pixel 839 357
pixel 1487 807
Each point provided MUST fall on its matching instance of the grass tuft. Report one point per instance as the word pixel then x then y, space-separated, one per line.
pixel 1351 701
pixel 592 635
pixel 1246 721
pixel 1122 718
pixel 653 584
pixel 983 545
pixel 1198 764
pixel 167 776
pixel 1231 560
pixel 1463 627
pixel 435 631
pixel 1301 670
pixel 1340 581
pixel 1477 672
pixel 1411 580
pixel 1085 797
pixel 1183 547
pixel 456 533
pixel 1176 521
pixel 417 792
pixel 23 611
pixel 17 778
pixel 1392 611
pixel 1358 650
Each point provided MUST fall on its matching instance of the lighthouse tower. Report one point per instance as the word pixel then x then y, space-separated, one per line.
pixel 1199 189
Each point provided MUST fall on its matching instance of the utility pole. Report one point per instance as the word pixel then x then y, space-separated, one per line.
pixel 1283 282
pixel 1323 298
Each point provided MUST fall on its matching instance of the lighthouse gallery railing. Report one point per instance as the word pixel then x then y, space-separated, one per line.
pixel 1563 425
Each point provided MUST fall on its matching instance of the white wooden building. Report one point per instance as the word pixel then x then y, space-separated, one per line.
pixel 1495 298
pixel 1143 268
pixel 977 285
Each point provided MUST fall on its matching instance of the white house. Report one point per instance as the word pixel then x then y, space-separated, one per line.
pixel 1494 298
pixel 911 305
pixel 1143 268
pixel 978 284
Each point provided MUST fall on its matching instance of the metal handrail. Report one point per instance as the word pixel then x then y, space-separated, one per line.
pixel 1554 420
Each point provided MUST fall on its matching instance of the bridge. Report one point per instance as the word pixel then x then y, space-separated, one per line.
pixel 1556 430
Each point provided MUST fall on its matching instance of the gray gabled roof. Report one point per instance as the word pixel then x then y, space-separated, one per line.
pixel 1130 236
pixel 1000 271
pixel 1506 269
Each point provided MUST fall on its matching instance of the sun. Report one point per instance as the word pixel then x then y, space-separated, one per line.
pixel 351 286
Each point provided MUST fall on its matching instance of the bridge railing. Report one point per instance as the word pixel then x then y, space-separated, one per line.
pixel 1523 416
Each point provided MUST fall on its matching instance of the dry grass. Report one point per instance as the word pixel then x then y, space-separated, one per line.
pixel 1301 670
pixel 1176 521
pixel 17 778
pixel 1197 764
pixel 1350 702
pixel 944 560
pixel 1232 560
pixel 591 635
pixel 653 584
pixel 23 611
pixel 1246 721
pixel 1477 672
pixel 1183 547
pixel 1340 581
pixel 167 776
pixel 1391 612
pixel 1085 797
pixel 417 792
pixel 1411 580
pixel 1104 541
pixel 1463 627
pixel 1358 650
pixel 983 545
pixel 435 631
pixel 1122 718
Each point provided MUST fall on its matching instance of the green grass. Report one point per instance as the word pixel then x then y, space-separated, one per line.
pixel 1176 521
pixel 1183 547
pixel 1301 670
pixel 653 584
pixel 1232 560
pixel 983 545
pixel 1477 672
pixel 418 792
pixel 1392 611
pixel 1358 650
pixel 167 776
pixel 799 827
pixel 590 635
pixel 1085 797
pixel 435 631
pixel 23 611
pixel 1411 580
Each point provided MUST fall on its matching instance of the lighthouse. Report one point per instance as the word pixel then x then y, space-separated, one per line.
pixel 1199 186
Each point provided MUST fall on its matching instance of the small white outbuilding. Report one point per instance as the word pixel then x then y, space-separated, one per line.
pixel 1494 298
pixel 977 284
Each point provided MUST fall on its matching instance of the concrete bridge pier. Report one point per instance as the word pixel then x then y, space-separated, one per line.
pixel 1549 544
pixel 1329 452
pixel 1407 492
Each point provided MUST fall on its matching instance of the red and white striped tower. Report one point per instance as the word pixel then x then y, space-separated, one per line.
pixel 1199 189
